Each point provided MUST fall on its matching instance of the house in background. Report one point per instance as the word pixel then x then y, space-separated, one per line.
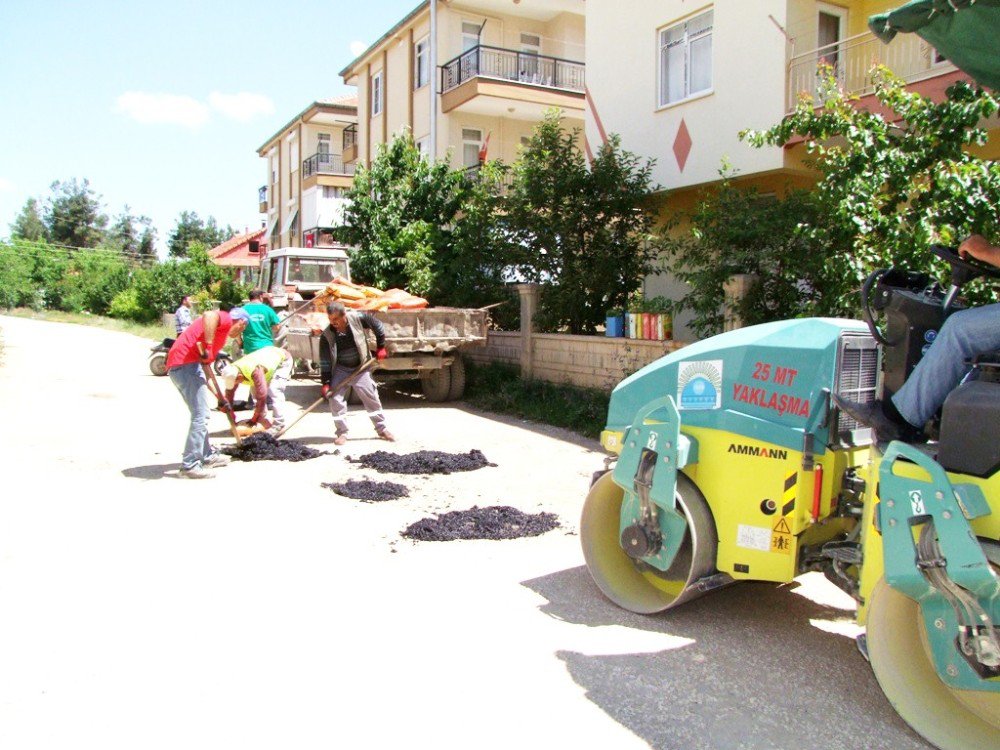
pixel 697 73
pixel 241 254
pixel 309 165
pixel 470 78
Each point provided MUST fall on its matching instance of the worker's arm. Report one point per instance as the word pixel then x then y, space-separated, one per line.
pixel 259 388
pixel 211 321
pixel 980 249
pixel 372 323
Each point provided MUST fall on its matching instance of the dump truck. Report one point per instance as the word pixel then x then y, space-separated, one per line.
pixel 422 344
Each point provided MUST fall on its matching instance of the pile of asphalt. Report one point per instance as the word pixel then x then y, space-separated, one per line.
pixel 495 522
pixel 368 490
pixel 423 462
pixel 263 447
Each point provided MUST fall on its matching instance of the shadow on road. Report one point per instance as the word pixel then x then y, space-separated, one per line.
pixel 153 471
pixel 758 664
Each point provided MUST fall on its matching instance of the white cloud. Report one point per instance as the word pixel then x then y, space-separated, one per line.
pixel 242 107
pixel 166 108
pixel 6 186
pixel 357 48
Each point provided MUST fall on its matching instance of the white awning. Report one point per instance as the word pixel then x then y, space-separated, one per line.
pixel 270 229
pixel 289 220
pixel 331 214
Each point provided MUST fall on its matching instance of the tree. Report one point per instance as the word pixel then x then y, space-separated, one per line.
pixel 581 230
pixel 133 236
pixel 190 228
pixel 73 215
pixel 29 224
pixel 893 184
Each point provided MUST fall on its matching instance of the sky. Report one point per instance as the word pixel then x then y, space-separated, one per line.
pixel 163 105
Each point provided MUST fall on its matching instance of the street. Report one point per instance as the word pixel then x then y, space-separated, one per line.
pixel 261 610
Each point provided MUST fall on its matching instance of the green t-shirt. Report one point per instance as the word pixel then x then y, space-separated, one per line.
pixel 258 331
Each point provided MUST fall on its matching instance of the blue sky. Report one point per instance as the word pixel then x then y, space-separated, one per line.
pixel 163 105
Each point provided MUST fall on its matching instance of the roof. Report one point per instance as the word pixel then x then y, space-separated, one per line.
pixel 409 16
pixel 236 250
pixel 346 104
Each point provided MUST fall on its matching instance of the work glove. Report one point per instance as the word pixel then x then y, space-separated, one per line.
pixel 206 356
pixel 225 406
pixel 381 354
pixel 324 390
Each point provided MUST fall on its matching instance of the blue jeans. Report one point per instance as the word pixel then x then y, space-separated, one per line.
pixel 965 334
pixel 190 381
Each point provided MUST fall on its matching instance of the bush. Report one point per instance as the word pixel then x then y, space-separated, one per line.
pixel 17 289
pixel 125 306
pixel 91 281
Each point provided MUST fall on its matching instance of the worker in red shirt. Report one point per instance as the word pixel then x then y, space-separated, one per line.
pixel 198 345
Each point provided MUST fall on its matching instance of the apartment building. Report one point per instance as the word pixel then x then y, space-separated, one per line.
pixel 309 165
pixel 472 78
pixel 697 72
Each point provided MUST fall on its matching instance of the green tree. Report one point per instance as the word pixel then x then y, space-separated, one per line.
pixel 73 215
pixel 894 183
pixel 191 228
pixel 29 224
pixel 738 231
pixel 133 236
pixel 17 287
pixel 582 230
pixel 90 283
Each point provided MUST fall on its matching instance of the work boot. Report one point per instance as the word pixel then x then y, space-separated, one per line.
pixel 386 435
pixel 196 472
pixel 216 460
pixel 874 415
pixel 340 440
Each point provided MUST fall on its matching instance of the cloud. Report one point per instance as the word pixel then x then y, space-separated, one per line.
pixel 162 108
pixel 6 186
pixel 242 107
pixel 357 48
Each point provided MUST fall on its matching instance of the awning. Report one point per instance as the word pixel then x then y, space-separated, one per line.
pixel 331 214
pixel 289 220
pixel 270 228
pixel 963 31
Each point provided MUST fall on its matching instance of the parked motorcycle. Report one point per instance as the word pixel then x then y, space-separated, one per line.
pixel 158 358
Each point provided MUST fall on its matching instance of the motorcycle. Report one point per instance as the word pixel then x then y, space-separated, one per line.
pixel 158 358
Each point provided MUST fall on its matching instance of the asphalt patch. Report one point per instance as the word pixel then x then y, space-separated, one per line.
pixel 423 462
pixel 495 522
pixel 368 490
pixel 264 447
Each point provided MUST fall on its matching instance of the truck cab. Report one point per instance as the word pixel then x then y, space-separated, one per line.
pixel 294 273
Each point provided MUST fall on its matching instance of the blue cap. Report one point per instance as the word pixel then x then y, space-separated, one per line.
pixel 238 313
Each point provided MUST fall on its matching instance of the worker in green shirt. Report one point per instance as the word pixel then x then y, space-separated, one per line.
pixel 263 325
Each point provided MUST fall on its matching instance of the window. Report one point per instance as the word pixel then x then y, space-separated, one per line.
pixel 685 59
pixel 323 146
pixel 531 43
pixel 470 35
pixel 421 63
pixel 424 146
pixel 332 191
pixel 472 141
pixel 376 94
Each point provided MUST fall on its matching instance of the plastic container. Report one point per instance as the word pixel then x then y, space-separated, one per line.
pixel 614 326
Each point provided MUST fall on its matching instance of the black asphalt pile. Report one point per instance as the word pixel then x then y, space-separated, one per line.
pixel 495 522
pixel 264 447
pixel 368 490
pixel 423 462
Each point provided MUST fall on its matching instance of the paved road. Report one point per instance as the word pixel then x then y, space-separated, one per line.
pixel 260 610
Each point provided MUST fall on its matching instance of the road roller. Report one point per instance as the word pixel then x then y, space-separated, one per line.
pixel 729 461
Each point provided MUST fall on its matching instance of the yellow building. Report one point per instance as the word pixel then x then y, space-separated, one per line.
pixel 307 174
pixel 470 78
pixel 678 80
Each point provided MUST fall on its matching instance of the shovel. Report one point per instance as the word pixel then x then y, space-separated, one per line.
pixel 345 383
pixel 210 375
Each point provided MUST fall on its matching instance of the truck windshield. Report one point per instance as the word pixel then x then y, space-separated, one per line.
pixel 315 270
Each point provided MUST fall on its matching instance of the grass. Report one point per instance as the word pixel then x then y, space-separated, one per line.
pixel 499 388
pixel 154 331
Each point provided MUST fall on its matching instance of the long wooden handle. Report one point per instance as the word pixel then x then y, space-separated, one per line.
pixel 345 383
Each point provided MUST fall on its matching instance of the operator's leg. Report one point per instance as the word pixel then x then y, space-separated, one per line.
pixel 964 335
pixel 338 402
pixel 368 393
pixel 190 381
pixel 276 393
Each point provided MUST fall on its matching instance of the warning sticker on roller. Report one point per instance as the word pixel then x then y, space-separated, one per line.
pixel 753 537
pixel 781 543
pixel 781 527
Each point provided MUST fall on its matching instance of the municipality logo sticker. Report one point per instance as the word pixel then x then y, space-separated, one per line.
pixel 699 385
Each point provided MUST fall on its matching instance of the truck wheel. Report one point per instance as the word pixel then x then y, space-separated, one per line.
pixel 436 383
pixel 457 388
pixel 158 363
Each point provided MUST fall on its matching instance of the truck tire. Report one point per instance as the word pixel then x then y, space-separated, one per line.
pixel 436 383
pixel 457 388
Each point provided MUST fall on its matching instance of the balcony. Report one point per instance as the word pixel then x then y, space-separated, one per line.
pixel 533 81
pixel 350 150
pixel 318 164
pixel 908 56
pixel 262 198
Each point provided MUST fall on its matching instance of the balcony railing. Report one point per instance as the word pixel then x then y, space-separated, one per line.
pixel 325 164
pixel 851 59
pixel 512 65
pixel 350 136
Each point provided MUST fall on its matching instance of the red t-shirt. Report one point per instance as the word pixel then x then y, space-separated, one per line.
pixel 185 348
